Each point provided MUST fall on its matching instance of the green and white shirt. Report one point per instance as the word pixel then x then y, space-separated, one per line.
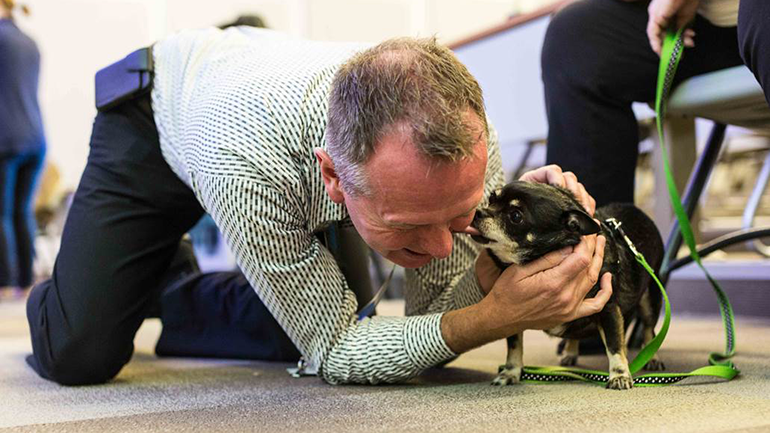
pixel 239 113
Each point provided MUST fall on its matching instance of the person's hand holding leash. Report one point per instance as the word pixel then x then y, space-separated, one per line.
pixel 664 14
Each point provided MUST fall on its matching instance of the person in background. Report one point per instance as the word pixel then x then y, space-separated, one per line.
pixel 251 20
pixel 600 56
pixel 22 148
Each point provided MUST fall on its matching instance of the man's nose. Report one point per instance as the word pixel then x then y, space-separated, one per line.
pixel 437 241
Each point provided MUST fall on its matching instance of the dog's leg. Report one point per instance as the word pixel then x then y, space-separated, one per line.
pixel 649 317
pixel 611 330
pixel 571 351
pixel 510 373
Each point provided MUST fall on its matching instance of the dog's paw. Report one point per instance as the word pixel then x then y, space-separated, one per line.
pixel 507 375
pixel 655 365
pixel 568 360
pixel 620 382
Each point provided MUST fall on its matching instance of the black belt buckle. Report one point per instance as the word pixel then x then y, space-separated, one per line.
pixel 124 80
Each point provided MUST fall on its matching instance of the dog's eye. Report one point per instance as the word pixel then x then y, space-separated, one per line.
pixel 517 217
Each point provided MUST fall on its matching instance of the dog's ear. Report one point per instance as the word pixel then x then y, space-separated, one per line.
pixel 580 222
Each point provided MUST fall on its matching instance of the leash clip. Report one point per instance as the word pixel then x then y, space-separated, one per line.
pixel 302 369
pixel 616 226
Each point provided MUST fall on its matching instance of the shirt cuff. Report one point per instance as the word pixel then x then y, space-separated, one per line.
pixel 424 342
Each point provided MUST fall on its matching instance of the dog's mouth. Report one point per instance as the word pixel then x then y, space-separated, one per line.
pixel 477 236
pixel 482 240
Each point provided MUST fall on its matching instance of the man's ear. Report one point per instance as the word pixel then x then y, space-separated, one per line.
pixel 580 222
pixel 329 175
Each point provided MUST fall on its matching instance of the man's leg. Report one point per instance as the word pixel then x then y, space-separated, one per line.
pixel 124 226
pixel 219 315
pixel 754 40
pixel 596 61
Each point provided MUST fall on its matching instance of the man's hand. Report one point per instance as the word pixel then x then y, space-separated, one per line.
pixel 552 290
pixel 664 14
pixel 553 175
pixel 542 294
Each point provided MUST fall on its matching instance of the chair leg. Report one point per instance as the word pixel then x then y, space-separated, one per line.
pixel 752 205
pixel 693 191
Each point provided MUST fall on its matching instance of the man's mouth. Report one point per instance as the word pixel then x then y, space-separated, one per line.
pixel 415 253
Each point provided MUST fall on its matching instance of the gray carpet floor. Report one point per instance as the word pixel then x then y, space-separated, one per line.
pixel 165 394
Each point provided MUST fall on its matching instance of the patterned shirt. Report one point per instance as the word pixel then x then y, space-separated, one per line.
pixel 239 113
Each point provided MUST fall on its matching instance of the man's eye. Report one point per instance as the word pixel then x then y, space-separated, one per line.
pixel 517 217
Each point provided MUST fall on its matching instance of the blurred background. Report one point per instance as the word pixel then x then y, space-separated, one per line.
pixel 78 37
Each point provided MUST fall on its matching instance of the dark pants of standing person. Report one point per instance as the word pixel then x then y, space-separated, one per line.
pixel 19 174
pixel 122 233
pixel 597 60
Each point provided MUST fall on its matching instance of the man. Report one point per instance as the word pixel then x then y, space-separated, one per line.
pixel 240 118
pixel 599 56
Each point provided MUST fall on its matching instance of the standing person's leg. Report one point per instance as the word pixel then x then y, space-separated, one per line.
pixel 754 40
pixel 123 229
pixel 24 225
pixel 596 62
pixel 8 166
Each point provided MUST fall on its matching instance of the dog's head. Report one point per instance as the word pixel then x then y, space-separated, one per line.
pixel 524 221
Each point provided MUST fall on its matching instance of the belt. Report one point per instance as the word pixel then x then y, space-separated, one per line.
pixel 124 80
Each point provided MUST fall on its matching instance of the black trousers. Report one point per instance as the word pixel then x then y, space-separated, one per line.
pixel 596 61
pixel 123 230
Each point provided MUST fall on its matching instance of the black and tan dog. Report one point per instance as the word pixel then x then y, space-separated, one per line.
pixel 524 221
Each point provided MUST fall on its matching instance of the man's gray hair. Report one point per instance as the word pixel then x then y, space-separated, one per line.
pixel 414 84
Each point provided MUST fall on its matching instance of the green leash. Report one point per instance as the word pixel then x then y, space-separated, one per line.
pixel 721 365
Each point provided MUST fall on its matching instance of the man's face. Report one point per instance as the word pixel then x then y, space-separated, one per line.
pixel 416 204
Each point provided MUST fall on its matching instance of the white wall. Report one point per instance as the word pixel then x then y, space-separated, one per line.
pixel 78 37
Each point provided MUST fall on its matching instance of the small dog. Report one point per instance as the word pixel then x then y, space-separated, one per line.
pixel 524 221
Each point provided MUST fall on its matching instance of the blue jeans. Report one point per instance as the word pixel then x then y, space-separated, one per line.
pixel 19 174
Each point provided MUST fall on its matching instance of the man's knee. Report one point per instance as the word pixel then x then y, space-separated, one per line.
pixel 67 354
